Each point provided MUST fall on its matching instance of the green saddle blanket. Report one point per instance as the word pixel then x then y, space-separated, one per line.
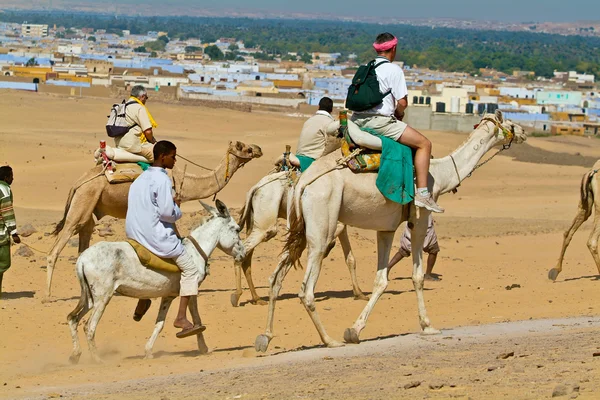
pixel 395 178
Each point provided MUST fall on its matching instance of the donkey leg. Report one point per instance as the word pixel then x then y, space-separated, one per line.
pixel 73 319
pixel 350 261
pixel 100 303
pixel 384 245
pixel 165 303
pixel 275 282
pixel 193 306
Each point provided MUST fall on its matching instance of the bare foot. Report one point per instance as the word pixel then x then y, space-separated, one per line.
pixel 432 277
pixel 182 324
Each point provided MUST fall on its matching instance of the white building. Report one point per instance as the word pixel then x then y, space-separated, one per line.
pixel 580 78
pixel 70 48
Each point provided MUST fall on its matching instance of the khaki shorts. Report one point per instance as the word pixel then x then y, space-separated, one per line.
pixel 430 245
pixel 385 126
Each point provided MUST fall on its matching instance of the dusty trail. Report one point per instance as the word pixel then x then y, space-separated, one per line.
pixel 503 228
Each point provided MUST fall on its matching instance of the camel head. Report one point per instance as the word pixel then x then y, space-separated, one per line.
pixel 245 152
pixel 505 131
pixel 228 230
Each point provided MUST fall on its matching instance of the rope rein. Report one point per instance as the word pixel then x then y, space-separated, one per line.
pixel 507 134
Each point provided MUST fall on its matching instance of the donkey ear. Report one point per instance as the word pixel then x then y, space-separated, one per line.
pixel 208 208
pixel 499 116
pixel 222 209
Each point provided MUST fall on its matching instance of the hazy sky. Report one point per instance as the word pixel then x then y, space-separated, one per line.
pixel 505 10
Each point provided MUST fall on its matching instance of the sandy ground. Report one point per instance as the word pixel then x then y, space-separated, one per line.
pixel 504 227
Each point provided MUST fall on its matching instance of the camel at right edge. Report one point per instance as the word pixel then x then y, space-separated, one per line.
pixel 588 201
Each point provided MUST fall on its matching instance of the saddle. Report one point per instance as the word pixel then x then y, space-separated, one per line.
pixel 151 260
pixel 123 165
pixel 126 172
pixel 369 158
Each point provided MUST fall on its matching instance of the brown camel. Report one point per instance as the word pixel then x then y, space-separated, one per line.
pixel 588 201
pixel 92 195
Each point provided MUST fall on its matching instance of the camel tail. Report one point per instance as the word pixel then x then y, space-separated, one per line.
pixel 86 295
pixel 61 224
pixel 296 238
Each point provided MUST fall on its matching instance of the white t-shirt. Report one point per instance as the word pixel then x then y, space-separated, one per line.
pixel 390 76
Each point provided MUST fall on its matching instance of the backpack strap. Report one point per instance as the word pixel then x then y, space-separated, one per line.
pixel 375 67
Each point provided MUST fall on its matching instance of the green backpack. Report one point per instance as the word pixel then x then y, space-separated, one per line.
pixel 363 93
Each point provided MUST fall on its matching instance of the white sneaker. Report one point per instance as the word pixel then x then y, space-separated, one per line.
pixel 428 203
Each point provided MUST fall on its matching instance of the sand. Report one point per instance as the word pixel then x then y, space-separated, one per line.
pixel 503 227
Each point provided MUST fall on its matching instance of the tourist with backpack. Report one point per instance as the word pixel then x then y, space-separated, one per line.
pixel 130 124
pixel 378 97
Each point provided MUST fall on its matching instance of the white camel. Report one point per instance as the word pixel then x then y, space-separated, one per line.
pixel 265 203
pixel 589 200
pixel 107 268
pixel 322 199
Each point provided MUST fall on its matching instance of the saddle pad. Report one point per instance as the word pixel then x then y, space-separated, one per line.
pixel 126 172
pixel 367 161
pixel 151 260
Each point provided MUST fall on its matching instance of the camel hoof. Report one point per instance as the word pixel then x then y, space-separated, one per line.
pixel 74 358
pixel 334 343
pixel 361 296
pixel 260 302
pixel 203 349
pixel 351 336
pixel 97 360
pixel 431 331
pixel 235 299
pixel 553 274
pixel 46 300
pixel 149 356
pixel 261 344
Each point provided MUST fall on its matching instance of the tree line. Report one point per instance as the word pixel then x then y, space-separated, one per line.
pixel 444 49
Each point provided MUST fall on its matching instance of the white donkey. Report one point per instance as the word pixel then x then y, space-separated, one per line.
pixel 113 267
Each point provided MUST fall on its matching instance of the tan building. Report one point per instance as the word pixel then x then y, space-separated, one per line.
pixel 34 30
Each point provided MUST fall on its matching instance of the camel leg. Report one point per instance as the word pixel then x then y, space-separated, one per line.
pixel 417 239
pixel 254 239
pixel 342 235
pixel 307 292
pixel 593 240
pixel 76 220
pixel 85 235
pixel 100 303
pixel 384 245
pixel 165 303
pixel 59 245
pixel 275 282
pixel 193 307
pixel 73 319
pixel 579 219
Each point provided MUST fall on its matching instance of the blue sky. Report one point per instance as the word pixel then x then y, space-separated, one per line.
pixel 504 10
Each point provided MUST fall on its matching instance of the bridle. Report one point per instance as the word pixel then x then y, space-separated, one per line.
pixel 508 135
